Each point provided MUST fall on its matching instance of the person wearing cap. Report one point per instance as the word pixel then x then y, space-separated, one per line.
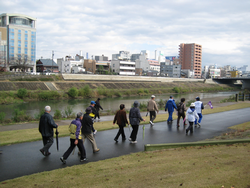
pixel 191 116
pixel 75 139
pixel 198 107
pixel 46 125
pixel 97 107
pixel 93 114
pixel 134 119
pixel 87 125
pixel 170 106
pixel 152 107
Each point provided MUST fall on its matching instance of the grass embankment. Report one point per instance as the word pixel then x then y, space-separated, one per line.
pixel 28 135
pixel 203 166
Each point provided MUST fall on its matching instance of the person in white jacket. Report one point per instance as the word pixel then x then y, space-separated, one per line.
pixel 191 115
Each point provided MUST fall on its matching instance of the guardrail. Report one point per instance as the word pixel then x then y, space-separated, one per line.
pixel 242 97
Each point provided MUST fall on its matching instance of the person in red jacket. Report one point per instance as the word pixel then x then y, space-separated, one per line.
pixel 121 119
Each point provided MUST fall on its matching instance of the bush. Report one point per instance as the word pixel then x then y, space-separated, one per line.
pixel 161 103
pixel 21 93
pixel 68 111
pixel 58 114
pixel 177 89
pixel 86 91
pixel 73 92
pixel 146 91
pixel 2 116
pixel 49 95
pixel 20 115
pixel 140 91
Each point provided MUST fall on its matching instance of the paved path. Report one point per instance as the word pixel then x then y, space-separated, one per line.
pixel 24 159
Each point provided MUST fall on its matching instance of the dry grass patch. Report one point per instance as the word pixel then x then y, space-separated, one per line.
pixel 211 166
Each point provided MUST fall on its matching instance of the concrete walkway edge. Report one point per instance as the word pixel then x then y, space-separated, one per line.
pixel 153 147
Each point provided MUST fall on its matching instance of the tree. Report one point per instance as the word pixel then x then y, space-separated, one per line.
pixel 21 61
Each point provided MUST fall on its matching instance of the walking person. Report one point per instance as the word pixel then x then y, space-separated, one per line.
pixel 198 107
pixel 134 119
pixel 93 115
pixel 191 116
pixel 87 126
pixel 75 139
pixel 181 108
pixel 46 125
pixel 170 106
pixel 121 119
pixel 152 107
pixel 98 107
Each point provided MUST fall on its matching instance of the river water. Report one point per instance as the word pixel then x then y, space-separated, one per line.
pixel 35 107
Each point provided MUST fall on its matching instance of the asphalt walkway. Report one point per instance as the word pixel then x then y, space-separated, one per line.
pixel 24 159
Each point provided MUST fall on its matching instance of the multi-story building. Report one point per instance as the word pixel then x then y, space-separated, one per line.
pixel 101 58
pixel 170 70
pixel 20 41
pixel 191 58
pixel 123 67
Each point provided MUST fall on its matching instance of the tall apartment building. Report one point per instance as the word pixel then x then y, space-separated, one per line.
pixel 18 41
pixel 191 58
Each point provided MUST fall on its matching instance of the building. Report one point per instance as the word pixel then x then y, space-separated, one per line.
pixel 190 56
pixel 46 65
pixel 170 70
pixel 214 73
pixel 90 65
pixel 123 67
pixel 65 66
pixel 18 42
pixel 101 58
pixel 123 56
pixel 243 69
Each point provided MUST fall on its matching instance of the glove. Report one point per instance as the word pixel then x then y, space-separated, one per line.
pixel 165 109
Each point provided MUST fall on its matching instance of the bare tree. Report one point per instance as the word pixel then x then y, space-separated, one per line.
pixel 21 61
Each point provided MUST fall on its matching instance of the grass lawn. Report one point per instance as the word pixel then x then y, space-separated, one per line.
pixel 28 135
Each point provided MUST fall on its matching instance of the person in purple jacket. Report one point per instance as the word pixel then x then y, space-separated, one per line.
pixel 75 139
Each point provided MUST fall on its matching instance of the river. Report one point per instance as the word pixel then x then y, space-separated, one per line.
pixel 34 107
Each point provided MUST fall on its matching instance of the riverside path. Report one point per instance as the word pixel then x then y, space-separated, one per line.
pixel 23 159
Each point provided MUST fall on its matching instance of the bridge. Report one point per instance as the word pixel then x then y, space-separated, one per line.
pixel 245 81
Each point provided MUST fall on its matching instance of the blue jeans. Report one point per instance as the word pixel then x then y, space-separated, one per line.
pixel 170 116
pixel 200 118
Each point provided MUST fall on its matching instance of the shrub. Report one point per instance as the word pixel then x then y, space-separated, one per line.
pixel 73 92
pixel 48 95
pixel 20 115
pixel 177 89
pixel 146 91
pixel 140 91
pixel 68 111
pixel 2 116
pixel 118 94
pixel 86 91
pixel 58 114
pixel 21 93
pixel 161 103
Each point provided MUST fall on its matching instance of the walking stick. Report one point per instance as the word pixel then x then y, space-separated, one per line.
pixel 143 132
pixel 57 146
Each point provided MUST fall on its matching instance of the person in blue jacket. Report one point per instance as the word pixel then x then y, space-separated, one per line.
pixel 170 106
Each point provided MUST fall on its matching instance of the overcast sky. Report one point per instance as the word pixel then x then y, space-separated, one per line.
pixel 99 27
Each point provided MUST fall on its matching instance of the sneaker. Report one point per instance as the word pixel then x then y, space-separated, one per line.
pixel 133 142
pixel 115 140
pixel 195 125
pixel 83 160
pixel 63 160
pixel 99 119
pixel 96 150
pixel 199 124
pixel 129 139
pixel 151 123
pixel 178 126
pixel 43 152
pixel 95 131
pixel 47 154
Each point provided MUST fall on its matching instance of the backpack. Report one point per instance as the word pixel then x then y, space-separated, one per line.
pixel 179 107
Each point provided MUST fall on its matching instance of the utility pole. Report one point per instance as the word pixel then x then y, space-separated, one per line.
pixel 52 61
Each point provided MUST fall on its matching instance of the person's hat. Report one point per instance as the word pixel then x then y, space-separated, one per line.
pixel 136 104
pixel 192 105
pixel 88 110
pixel 98 99
pixel 92 102
pixel 152 96
pixel 198 98
pixel 171 96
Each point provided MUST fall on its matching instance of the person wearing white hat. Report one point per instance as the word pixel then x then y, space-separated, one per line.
pixel 191 116
pixel 151 108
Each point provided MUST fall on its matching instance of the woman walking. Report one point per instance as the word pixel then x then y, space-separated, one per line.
pixel 121 119
pixel 134 119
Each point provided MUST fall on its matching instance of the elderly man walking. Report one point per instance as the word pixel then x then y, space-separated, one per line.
pixel 152 107
pixel 170 106
pixel 46 126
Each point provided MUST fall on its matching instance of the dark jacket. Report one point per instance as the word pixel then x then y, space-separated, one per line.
pixel 46 125
pixel 121 118
pixel 135 116
pixel 93 109
pixel 87 124
pixel 97 105
pixel 181 108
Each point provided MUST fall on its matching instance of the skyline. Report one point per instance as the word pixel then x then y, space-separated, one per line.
pixel 107 27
